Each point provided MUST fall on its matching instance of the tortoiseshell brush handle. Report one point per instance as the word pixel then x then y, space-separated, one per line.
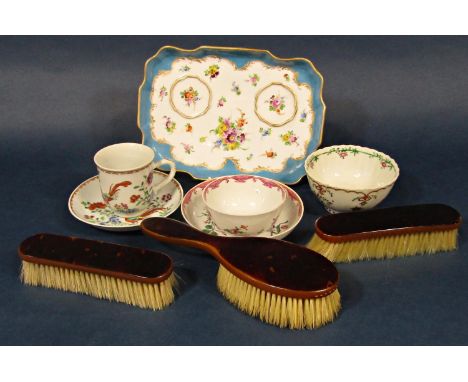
pixel 175 232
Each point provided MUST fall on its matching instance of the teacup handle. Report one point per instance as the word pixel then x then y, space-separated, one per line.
pixel 169 177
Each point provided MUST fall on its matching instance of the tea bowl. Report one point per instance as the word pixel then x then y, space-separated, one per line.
pixel 350 178
pixel 244 204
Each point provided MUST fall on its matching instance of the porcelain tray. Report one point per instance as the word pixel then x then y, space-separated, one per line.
pixel 218 111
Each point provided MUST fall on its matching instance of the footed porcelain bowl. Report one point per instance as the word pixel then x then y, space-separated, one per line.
pixel 350 178
pixel 244 204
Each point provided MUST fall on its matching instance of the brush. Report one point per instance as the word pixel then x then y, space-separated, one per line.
pixel 386 233
pixel 279 282
pixel 114 272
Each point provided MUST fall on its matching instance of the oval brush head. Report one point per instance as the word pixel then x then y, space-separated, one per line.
pixel 386 232
pixel 281 283
pixel 109 271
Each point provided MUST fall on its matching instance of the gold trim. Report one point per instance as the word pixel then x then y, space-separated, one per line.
pixel 171 91
pixel 263 119
pixel 225 48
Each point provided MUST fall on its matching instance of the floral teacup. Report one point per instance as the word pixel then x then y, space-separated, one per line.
pixel 126 177
pixel 244 204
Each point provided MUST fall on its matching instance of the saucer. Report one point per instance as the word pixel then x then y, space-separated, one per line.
pixel 86 205
pixel 197 215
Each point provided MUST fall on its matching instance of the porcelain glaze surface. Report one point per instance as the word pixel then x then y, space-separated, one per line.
pixel 350 178
pixel 218 111
pixel 246 204
pixel 198 216
pixel 87 205
pixel 126 177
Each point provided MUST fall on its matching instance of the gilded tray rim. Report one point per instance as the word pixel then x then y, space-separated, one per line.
pixel 231 48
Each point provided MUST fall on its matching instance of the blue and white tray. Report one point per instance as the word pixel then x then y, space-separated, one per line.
pixel 217 111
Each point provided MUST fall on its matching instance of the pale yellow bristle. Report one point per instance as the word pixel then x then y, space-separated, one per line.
pixel 143 295
pixel 386 247
pixel 278 310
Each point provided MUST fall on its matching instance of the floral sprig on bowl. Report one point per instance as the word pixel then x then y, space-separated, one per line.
pixel 276 228
pixel 276 103
pixel 271 154
pixel 190 96
pixel 286 77
pixel 303 116
pixel 289 138
pixel 184 68
pixel 265 131
pixel 162 93
pixel 236 88
pixel 187 148
pixel 212 71
pixel 343 152
pixel 210 227
pixel 363 199
pixel 237 230
pixel 230 133
pixel 188 127
pixel 169 124
pixel 253 79
pixel 222 101
pixel 324 194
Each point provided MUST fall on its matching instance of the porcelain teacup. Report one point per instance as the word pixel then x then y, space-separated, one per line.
pixel 244 204
pixel 126 177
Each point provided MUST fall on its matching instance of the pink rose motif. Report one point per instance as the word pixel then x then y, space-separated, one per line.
pixel 269 183
pixel 230 135
pixel 241 178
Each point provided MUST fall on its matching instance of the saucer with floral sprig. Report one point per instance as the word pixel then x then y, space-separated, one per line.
pixel 196 214
pixel 86 204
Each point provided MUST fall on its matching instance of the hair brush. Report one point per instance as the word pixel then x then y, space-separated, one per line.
pixel 108 271
pixel 279 282
pixel 387 232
